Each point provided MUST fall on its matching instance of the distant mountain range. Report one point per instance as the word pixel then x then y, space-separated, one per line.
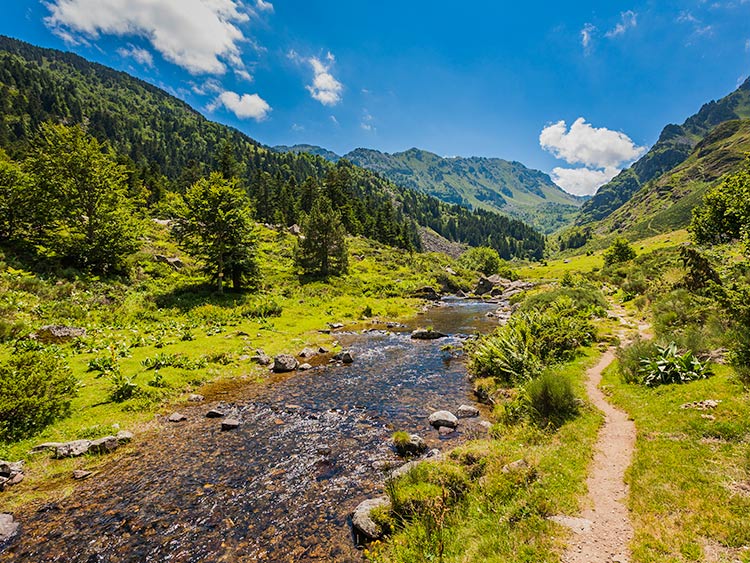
pixel 474 182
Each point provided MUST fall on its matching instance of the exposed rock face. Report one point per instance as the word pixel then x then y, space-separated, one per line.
pixel 284 363
pixel 57 334
pixel 467 411
pixel 415 446
pixel 427 334
pixel 8 528
pixel 362 521
pixel 443 418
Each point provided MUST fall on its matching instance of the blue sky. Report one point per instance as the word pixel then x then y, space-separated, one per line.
pixel 474 78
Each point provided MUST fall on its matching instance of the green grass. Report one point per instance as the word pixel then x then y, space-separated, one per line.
pixel 503 516
pixel 685 499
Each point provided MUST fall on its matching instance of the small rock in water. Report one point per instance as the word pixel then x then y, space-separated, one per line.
pixel 8 528
pixel 195 398
pixel 176 417
pixel 446 430
pixel 443 418
pixel 363 524
pixel 81 474
pixel 215 413
pixel 304 367
pixel 427 334
pixel 324 450
pixel 345 356
pixel 230 424
pixel 284 363
pixel 415 446
pixel 467 411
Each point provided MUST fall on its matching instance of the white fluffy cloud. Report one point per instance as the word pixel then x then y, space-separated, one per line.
pixel 264 6
pixel 245 106
pixel 138 54
pixel 628 20
pixel 201 36
pixel 324 88
pixel 601 151
pixel 587 34
pixel 582 181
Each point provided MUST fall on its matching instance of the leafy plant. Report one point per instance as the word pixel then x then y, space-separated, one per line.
pixel 671 367
pixel 551 400
pixel 104 364
pixel 618 252
pixel 122 388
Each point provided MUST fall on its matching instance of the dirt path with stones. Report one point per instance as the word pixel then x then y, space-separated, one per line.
pixel 603 532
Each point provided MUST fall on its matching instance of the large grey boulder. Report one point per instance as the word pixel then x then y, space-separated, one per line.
pixel 487 284
pixel 10 468
pixel 427 334
pixel 8 528
pixel 284 363
pixel 104 445
pixel 443 418
pixel 362 520
pixel 75 448
pixel 467 411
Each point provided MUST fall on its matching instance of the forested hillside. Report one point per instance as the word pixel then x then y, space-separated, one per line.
pixel 166 146
pixel 674 146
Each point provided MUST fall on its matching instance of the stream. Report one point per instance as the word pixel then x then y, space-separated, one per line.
pixel 280 488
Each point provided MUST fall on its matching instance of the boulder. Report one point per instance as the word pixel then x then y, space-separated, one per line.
pixel 8 528
pixel 174 262
pixel 10 468
pixel 427 293
pixel 72 449
pixel 427 334
pixel 415 446
pixel 304 367
pixel 104 445
pixel 467 411
pixel 443 418
pixel 261 358
pixel 81 474
pixel 403 470
pixel 123 437
pixel 284 363
pixel 308 353
pixel 345 356
pixel 362 521
pixel 215 413
pixel 176 417
pixel 336 326
pixel 230 424
pixel 487 284
pixel 45 446
pixel 57 334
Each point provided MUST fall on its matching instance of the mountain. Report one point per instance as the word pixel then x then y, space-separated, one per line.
pixel 675 145
pixel 166 145
pixel 309 149
pixel 666 203
pixel 474 182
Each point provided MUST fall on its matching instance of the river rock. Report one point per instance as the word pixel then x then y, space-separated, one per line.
pixel 428 293
pixel 195 398
pixel 467 411
pixel 304 367
pixel 176 417
pixel 8 528
pixel 123 437
pixel 427 334
pixel 215 413
pixel 57 334
pixel 230 424
pixel 443 418
pixel 104 445
pixel 345 356
pixel 487 284
pixel 10 468
pixel 284 363
pixel 261 358
pixel 363 523
pixel 75 448
pixel 415 446
pixel 308 353
pixel 81 474
pixel 336 326
pixel 446 430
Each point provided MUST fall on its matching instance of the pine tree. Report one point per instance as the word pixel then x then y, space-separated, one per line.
pixel 323 250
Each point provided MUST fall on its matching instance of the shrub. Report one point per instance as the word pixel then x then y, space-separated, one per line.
pixel 104 364
pixel 551 400
pixel 671 367
pixel 481 259
pixel 122 388
pixel 629 359
pixel 739 356
pixel 36 389
pixel 619 251
pixel 413 494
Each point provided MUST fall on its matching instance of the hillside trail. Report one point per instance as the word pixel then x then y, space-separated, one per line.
pixel 603 531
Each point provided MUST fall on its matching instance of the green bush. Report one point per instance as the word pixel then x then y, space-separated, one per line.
pixel 551 400
pixel 36 389
pixel 481 259
pixel 122 388
pixel 104 364
pixel 629 359
pixel 414 494
pixel 619 251
pixel 671 367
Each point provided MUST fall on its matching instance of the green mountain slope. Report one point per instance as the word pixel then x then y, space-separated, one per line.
pixel 475 182
pixel 167 144
pixel 309 149
pixel 675 144
pixel 666 203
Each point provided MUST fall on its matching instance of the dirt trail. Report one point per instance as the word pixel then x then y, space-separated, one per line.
pixel 603 531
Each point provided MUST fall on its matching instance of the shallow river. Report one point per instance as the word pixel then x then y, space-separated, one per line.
pixel 282 487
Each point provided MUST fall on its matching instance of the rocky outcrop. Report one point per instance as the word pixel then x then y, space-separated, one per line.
pixel 427 334
pixel 362 520
pixel 284 363
pixel 443 418
pixel 58 334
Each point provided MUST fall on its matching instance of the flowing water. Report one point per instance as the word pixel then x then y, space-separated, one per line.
pixel 281 487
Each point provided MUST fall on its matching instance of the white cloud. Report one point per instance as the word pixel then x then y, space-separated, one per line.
pixel 586 36
pixel 335 121
pixel 601 151
pixel 297 128
pixel 243 74
pixel 138 54
pixel 264 6
pixel 628 20
pixel 245 106
pixel 324 88
pixel 198 35
pixel 747 45
pixel 210 86
pixel 367 119
pixel 582 181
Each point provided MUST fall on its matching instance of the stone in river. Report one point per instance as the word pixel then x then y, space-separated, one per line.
pixel 176 417
pixel 284 363
pixel 443 418
pixel 363 524
pixel 467 411
pixel 230 424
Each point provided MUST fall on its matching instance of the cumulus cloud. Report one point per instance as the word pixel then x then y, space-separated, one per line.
pixel 138 54
pixel 201 36
pixel 264 6
pixel 324 88
pixel 628 20
pixel 245 106
pixel 601 151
